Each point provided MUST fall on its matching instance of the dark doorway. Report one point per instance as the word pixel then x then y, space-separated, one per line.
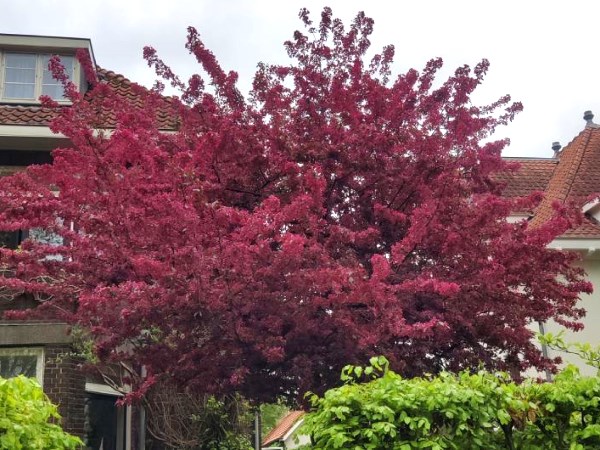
pixel 106 423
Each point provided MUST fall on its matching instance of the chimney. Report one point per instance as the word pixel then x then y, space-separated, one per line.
pixel 556 147
pixel 588 116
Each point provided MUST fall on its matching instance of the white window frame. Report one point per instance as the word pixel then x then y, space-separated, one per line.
pixel 28 351
pixel 39 72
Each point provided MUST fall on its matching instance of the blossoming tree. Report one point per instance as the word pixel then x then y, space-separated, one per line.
pixel 335 213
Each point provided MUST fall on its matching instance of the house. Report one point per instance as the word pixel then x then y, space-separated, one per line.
pixel 43 349
pixel 287 433
pixel 572 177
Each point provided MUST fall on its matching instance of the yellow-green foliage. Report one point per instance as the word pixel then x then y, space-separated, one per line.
pixel 28 420
pixel 377 409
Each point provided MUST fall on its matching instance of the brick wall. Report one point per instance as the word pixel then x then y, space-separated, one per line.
pixel 64 383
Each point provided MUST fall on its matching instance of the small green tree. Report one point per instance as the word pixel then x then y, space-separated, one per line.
pixel 588 353
pixel 28 419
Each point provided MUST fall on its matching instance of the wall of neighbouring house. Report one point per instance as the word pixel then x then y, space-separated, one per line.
pixel 296 440
pixel 591 303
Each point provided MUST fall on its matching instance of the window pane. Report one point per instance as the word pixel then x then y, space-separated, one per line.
pixel 15 365
pixel 47 78
pixel 10 239
pixel 45 237
pixel 13 90
pixel 20 76
pixel 25 79
pixel 20 60
pixel 50 86
pixel 54 91
pixel 27 361
pixel 67 62
pixel 48 238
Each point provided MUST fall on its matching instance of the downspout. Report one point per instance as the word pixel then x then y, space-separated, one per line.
pixel 257 429
pixel 142 425
pixel 545 352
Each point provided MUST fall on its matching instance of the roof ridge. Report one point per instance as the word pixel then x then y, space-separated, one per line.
pixel 580 155
pixel 112 74
pixel 585 129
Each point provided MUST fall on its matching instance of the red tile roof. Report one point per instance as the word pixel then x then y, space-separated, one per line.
pixel 38 116
pixel 533 174
pixel 165 115
pixel 571 178
pixel 575 179
pixel 283 427
pixel 25 115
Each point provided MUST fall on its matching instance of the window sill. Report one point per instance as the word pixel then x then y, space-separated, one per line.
pixel 30 102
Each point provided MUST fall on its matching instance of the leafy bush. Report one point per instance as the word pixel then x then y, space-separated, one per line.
pixel 455 411
pixel 28 421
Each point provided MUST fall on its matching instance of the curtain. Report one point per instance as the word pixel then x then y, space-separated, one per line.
pixel 20 81
pixel 19 77
pixel 50 86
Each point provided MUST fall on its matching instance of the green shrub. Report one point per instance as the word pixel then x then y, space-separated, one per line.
pixel 28 421
pixel 455 411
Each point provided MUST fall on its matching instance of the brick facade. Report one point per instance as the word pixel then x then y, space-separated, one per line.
pixel 63 379
pixel 64 383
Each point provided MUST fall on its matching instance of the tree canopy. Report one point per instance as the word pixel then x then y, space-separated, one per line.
pixel 336 212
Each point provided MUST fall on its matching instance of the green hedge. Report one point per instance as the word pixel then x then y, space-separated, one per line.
pixel 464 411
pixel 28 421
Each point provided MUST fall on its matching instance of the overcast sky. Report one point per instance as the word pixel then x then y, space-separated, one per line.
pixel 542 53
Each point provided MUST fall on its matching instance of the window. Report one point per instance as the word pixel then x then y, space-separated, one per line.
pixel 25 76
pixel 12 239
pixel 45 237
pixel 26 361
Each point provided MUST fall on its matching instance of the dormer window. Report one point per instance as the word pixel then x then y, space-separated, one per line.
pixel 24 77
